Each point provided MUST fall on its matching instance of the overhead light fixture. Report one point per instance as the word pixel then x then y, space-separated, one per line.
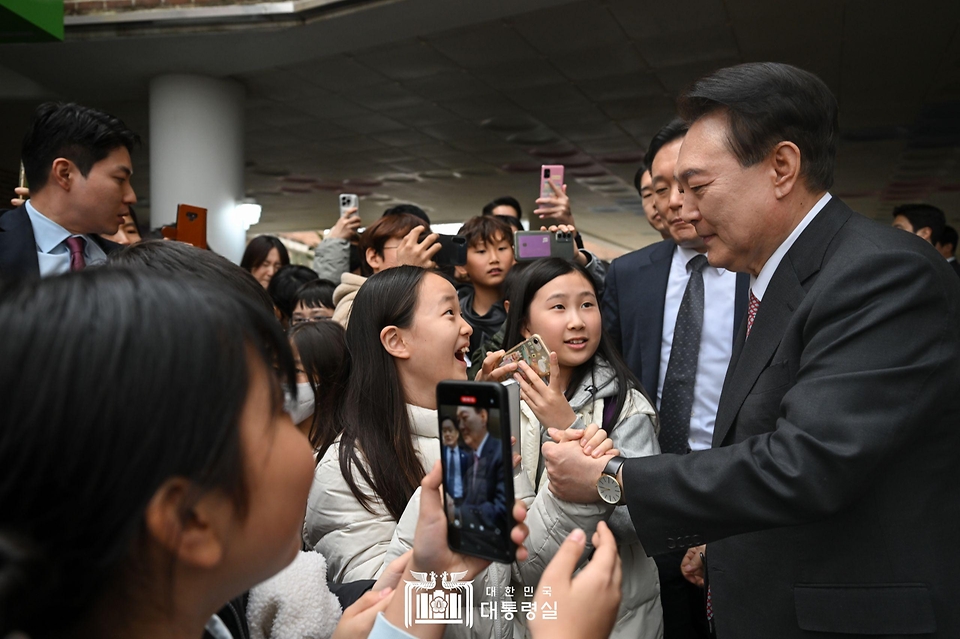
pixel 247 213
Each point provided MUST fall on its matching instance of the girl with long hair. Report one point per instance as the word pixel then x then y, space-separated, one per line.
pixel 589 384
pixel 406 335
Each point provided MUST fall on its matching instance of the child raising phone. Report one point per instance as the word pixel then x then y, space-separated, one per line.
pixel 589 384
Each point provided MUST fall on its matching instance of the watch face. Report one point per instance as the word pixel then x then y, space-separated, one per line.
pixel 609 489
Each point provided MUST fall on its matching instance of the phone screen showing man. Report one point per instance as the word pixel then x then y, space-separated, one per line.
pixel 475 479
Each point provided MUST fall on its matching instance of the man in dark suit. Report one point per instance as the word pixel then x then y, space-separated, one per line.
pixel 648 308
pixel 484 504
pixel 77 164
pixel 829 500
pixel 947 246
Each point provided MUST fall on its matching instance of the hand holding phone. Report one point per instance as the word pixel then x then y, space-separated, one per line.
pixel 453 250
pixel 532 245
pixel 546 401
pixel 553 205
pixel 532 351
pixel 432 550
pixel 346 227
pixel 417 249
pixel 349 205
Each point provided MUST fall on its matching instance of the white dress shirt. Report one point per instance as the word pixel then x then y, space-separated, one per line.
pixel 759 284
pixel 716 340
pixel 52 251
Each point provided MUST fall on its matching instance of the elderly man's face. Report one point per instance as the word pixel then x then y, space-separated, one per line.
pixel 473 425
pixel 730 205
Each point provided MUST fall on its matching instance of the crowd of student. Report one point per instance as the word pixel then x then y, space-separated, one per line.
pixel 195 448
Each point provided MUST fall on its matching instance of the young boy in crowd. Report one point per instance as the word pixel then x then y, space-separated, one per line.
pixel 489 259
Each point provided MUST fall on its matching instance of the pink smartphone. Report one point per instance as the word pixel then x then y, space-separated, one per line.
pixel 551 173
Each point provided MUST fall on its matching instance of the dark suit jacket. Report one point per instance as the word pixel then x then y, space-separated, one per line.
pixel 633 303
pixel 830 502
pixel 956 266
pixel 485 497
pixel 18 246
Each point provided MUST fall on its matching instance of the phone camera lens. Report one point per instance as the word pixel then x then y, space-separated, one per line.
pixel 546 173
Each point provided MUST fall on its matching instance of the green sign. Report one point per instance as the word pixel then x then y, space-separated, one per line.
pixel 31 20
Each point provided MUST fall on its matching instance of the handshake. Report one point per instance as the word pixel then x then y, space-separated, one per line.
pixel 599 581
pixel 575 461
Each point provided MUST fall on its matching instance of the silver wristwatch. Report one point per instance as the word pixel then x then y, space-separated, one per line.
pixel 608 486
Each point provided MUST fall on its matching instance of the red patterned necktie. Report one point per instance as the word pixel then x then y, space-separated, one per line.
pixel 76 244
pixel 752 311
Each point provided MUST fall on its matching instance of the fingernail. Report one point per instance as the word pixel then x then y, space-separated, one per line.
pixel 386 591
pixel 577 535
pixel 587 449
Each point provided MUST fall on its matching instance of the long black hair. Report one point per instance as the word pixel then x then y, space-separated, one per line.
pixel 535 277
pixel 377 438
pixel 259 249
pixel 134 378
pixel 322 347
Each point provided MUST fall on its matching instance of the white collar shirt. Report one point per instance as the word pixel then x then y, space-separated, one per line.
pixel 716 340
pixel 53 254
pixel 759 284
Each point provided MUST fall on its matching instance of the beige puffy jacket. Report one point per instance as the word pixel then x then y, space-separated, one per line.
pixel 354 540
pixel 343 297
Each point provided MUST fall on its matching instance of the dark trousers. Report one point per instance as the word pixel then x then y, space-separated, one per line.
pixel 684 612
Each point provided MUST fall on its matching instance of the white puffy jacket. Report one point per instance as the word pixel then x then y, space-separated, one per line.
pixel 352 539
pixel 550 520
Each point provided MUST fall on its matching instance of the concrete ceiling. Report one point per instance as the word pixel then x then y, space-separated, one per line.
pixel 449 104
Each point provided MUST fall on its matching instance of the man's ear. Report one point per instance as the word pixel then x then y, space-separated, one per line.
pixel 62 171
pixel 392 341
pixel 785 159
pixel 190 529
pixel 461 273
pixel 374 259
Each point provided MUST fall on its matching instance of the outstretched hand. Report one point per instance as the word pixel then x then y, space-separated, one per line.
pixel 432 554
pixel 597 583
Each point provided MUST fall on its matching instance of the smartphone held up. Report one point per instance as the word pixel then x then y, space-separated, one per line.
pixel 475 430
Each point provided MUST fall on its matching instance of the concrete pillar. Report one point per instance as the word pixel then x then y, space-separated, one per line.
pixel 196 155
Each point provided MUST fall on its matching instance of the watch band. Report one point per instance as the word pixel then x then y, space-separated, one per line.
pixel 613 466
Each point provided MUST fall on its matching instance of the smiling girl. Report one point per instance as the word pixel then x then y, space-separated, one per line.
pixel 589 384
pixel 405 336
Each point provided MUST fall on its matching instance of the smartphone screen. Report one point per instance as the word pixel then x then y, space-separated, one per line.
pixel 477 468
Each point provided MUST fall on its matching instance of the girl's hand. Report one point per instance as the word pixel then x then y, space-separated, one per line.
pixel 547 402
pixel 592 595
pixel 358 619
pixel 595 442
pixel 490 372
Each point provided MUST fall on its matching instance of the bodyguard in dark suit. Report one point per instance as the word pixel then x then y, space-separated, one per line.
pixel 77 163
pixel 674 318
pixel 829 501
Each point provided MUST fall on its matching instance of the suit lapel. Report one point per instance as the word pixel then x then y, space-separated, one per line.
pixel 652 290
pixel 18 246
pixel 783 296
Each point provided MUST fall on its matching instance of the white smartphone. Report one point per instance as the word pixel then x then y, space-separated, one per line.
pixel 349 201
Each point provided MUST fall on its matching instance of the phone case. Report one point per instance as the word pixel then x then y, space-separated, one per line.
pixel 348 201
pixel 551 173
pixel 532 351
pixel 532 245
pixel 192 225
